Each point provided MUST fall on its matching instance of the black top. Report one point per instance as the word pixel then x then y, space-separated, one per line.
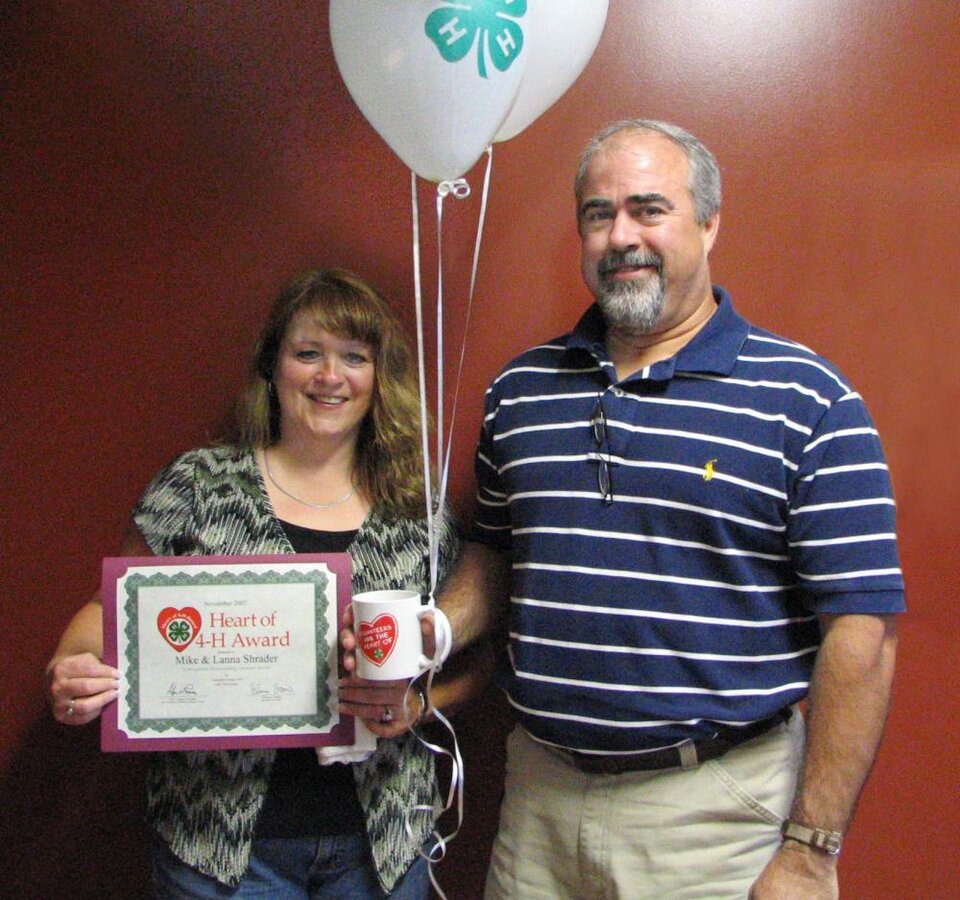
pixel 305 799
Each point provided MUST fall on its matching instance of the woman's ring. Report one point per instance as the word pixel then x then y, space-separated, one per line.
pixel 387 716
pixel 70 708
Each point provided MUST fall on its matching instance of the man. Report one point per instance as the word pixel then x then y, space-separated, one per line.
pixel 692 519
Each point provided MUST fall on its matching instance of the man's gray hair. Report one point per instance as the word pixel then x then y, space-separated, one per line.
pixel 704 181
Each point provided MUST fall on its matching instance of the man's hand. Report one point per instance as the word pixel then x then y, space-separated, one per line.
pixel 797 872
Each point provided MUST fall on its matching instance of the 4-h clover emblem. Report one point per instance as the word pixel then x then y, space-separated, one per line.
pixel 179 626
pixel 491 24
pixel 179 631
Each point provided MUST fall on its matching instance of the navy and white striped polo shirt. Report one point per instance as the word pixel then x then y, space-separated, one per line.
pixel 750 493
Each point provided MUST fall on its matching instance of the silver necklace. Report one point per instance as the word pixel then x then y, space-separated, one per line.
pixel 286 493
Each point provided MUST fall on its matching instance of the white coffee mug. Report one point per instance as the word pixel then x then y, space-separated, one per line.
pixel 389 640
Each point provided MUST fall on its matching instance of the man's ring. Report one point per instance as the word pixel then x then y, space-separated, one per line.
pixel 70 708
pixel 387 716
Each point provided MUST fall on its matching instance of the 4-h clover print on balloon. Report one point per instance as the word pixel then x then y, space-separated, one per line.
pixel 408 65
pixel 491 26
pixel 441 81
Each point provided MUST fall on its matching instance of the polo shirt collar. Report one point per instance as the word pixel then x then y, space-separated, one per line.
pixel 713 350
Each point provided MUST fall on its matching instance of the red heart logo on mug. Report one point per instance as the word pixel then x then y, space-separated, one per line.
pixel 179 626
pixel 378 638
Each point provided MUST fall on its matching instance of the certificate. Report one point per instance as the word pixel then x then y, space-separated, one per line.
pixel 224 652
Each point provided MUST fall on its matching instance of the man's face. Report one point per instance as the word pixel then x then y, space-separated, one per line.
pixel 643 255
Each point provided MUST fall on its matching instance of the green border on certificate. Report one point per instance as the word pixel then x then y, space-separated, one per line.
pixel 225 652
pixel 134 583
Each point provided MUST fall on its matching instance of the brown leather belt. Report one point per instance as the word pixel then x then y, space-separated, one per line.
pixel 687 755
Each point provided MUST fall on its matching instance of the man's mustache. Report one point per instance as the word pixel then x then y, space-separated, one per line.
pixel 616 259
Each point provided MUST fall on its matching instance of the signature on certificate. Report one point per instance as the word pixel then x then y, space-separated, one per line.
pixel 181 690
pixel 278 689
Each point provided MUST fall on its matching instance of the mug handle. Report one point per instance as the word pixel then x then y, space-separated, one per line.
pixel 425 662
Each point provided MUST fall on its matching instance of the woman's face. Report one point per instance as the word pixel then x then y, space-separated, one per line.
pixel 324 383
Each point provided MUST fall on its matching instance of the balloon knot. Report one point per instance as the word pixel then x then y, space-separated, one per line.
pixel 459 188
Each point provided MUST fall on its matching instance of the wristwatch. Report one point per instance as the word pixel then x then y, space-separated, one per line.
pixel 424 704
pixel 818 838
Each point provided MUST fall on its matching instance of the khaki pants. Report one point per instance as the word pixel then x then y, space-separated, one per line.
pixel 705 833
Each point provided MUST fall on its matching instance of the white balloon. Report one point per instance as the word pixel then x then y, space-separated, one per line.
pixel 565 34
pixel 435 79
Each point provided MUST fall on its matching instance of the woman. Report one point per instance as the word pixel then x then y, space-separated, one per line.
pixel 327 460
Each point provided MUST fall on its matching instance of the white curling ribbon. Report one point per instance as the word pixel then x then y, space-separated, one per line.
pixel 422 375
pixel 445 470
pixel 442 630
pixel 460 189
pixel 454 793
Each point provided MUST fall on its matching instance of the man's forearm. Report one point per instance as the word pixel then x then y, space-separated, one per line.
pixel 474 594
pixel 847 711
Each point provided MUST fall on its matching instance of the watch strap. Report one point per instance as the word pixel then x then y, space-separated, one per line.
pixel 818 838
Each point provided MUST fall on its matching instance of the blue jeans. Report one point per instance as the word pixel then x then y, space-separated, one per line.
pixel 329 868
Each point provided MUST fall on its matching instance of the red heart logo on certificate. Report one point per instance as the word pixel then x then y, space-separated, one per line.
pixel 378 638
pixel 179 626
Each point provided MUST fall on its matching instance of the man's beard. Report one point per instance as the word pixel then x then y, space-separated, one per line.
pixel 635 305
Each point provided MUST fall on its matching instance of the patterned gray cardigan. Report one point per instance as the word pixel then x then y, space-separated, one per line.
pixel 205 805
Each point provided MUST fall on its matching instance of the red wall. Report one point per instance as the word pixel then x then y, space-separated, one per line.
pixel 165 166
